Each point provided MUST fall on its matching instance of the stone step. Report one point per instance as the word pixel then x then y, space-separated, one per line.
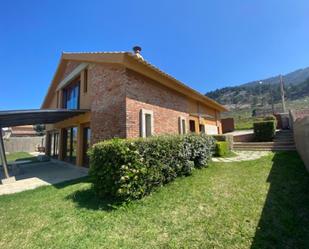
pixel 284 136
pixel 252 144
pixel 283 140
pixel 266 148
pixel 281 137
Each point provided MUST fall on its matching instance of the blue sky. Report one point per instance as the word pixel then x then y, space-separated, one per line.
pixel 206 44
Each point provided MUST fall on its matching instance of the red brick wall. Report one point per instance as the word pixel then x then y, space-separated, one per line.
pixel 167 105
pixel 117 95
pixel 107 91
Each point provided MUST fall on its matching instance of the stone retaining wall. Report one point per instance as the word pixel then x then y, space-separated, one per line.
pixel 301 137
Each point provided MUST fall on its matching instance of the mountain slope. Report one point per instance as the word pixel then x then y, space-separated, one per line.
pixel 253 93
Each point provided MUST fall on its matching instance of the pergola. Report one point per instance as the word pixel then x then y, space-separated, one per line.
pixel 31 117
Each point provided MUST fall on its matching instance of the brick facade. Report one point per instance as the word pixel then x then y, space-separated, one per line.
pixel 70 66
pixel 167 105
pixel 115 97
pixel 107 89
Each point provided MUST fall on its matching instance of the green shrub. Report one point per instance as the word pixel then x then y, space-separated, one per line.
pixel 222 148
pixel 269 118
pixel 264 131
pixel 130 169
pixel 225 138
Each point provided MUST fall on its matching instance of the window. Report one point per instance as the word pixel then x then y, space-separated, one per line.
pixel 146 123
pixel 57 104
pixel 54 144
pixel 202 128
pixel 87 140
pixel 70 144
pixel 192 125
pixel 85 80
pixel 182 125
pixel 71 96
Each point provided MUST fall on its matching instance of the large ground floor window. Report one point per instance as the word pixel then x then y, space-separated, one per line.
pixel 70 144
pixel 87 139
pixel 54 144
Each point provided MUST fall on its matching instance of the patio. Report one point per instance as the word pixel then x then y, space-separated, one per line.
pixel 33 175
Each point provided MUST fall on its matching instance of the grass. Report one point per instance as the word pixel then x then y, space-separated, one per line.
pixel 229 154
pixel 255 204
pixel 244 123
pixel 20 156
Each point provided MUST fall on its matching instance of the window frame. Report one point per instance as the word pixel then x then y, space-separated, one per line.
pixel 202 131
pixel 192 121
pixel 85 83
pixel 181 122
pixel 143 113
pixel 65 91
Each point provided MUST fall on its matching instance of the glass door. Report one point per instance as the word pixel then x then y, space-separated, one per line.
pixel 87 139
pixel 70 144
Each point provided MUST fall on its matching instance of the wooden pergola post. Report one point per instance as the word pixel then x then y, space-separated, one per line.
pixel 3 156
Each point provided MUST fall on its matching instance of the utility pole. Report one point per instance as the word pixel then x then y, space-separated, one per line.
pixel 282 94
pixel 2 156
pixel 271 98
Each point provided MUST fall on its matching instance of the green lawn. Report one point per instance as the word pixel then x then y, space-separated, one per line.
pixel 256 204
pixel 18 156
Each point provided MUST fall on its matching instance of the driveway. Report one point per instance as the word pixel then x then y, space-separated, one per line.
pixel 34 175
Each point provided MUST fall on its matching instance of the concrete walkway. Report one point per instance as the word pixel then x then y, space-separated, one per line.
pixel 35 175
pixel 241 156
pixel 239 132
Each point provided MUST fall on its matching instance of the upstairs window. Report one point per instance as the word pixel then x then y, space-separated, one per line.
pixel 71 96
pixel 146 121
pixel 57 99
pixel 85 80
pixel 182 125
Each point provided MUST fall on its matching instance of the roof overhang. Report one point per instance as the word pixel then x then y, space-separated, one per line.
pixel 37 116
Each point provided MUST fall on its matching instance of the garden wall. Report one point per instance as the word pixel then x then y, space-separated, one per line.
pixel 301 137
pixel 227 125
pixel 25 144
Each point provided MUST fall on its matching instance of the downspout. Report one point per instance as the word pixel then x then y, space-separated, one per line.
pixel 2 155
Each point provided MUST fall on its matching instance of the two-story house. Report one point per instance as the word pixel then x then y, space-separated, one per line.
pixel 123 96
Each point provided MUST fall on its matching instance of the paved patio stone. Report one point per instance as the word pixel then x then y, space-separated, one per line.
pixel 41 174
pixel 241 156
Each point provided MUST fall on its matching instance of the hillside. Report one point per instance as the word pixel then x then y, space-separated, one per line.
pixel 254 94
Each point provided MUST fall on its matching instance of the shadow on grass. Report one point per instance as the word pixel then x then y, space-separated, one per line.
pixel 68 183
pixel 88 199
pixel 284 222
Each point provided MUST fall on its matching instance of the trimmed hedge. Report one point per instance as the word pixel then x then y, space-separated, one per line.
pixel 264 131
pixel 225 138
pixel 222 148
pixel 130 169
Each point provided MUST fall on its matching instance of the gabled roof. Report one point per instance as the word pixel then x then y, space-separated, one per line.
pixel 129 61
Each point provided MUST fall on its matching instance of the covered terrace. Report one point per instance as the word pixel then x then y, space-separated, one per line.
pixel 31 117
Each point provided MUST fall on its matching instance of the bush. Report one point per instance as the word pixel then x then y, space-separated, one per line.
pixel 264 131
pixel 269 118
pixel 222 148
pixel 130 169
pixel 225 138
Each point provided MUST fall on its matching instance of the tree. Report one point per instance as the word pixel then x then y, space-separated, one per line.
pixel 40 129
